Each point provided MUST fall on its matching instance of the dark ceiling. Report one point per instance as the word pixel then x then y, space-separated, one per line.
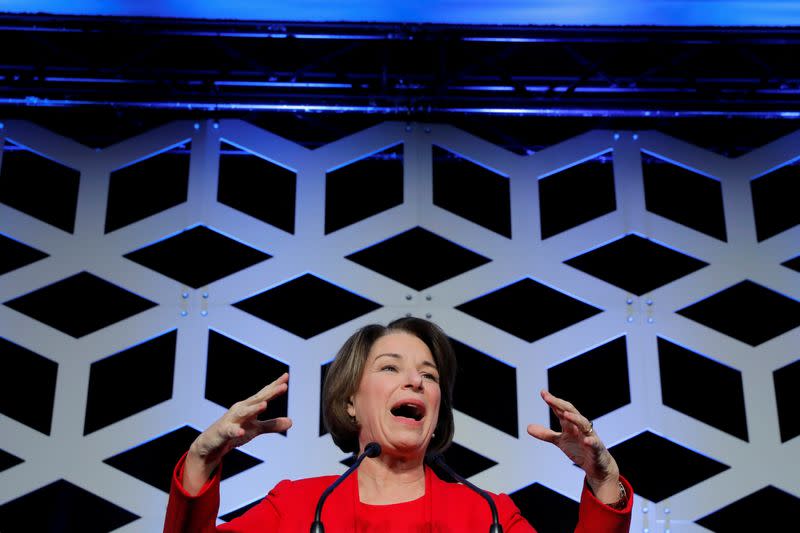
pixel 140 72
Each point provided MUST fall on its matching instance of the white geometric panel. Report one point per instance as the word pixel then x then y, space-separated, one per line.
pixel 544 312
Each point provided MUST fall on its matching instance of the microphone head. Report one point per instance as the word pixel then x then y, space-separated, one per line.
pixel 372 450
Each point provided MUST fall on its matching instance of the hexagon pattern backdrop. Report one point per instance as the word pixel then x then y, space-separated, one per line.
pixel 147 286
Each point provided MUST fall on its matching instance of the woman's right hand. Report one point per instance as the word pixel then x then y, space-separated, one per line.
pixel 238 426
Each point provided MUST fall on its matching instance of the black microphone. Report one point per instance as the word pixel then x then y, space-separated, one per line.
pixel 373 449
pixel 438 460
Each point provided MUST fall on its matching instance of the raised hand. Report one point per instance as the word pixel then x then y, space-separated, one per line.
pixel 578 440
pixel 238 426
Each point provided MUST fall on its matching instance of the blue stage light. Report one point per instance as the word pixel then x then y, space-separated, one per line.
pixel 781 13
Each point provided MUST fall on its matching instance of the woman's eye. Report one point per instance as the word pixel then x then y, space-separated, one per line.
pixel 431 377
pixel 390 367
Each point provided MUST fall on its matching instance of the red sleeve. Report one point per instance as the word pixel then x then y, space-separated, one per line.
pixel 263 517
pixel 187 513
pixel 198 513
pixel 510 517
pixel 593 515
pixel 596 517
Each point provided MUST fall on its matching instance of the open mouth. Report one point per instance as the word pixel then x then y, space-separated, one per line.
pixel 409 410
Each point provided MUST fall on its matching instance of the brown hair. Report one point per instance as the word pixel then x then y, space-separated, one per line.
pixel 344 377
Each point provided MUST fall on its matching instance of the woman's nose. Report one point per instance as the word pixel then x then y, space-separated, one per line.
pixel 414 380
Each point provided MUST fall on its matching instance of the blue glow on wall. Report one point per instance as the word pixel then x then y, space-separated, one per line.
pixel 517 12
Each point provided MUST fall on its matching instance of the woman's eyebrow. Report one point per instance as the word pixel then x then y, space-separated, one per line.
pixel 430 364
pixel 398 356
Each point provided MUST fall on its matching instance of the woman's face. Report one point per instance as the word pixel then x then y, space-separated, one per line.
pixel 397 401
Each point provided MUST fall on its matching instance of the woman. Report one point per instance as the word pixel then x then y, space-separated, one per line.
pixel 391 385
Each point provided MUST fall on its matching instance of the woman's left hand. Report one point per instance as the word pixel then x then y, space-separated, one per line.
pixel 578 440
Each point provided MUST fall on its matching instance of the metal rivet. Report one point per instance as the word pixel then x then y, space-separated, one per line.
pixel 650 320
pixel 428 315
pixel 649 301
pixel 429 297
pixel 205 295
pixel 427 129
pixel 645 509
pixel 630 319
pixel 635 136
pixel 197 125
pixel 215 125
pixel 184 295
pixel 204 312
pixel 184 313
pixel 408 127
pixel 616 136
pixel 629 301
pixel 408 315
pixel 408 297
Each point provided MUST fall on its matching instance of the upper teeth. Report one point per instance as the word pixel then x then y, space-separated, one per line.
pixel 415 410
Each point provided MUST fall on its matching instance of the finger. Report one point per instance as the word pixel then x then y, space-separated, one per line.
pixel 548 399
pixel 233 431
pixel 276 388
pixel 581 423
pixel 556 403
pixel 568 415
pixel 541 432
pixel 246 411
pixel 275 425
pixel 563 422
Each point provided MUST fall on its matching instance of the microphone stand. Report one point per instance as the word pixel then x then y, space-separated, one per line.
pixel 373 449
pixel 439 461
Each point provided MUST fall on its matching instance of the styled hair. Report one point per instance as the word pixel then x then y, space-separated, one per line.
pixel 344 377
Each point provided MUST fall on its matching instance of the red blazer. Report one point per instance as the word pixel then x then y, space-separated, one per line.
pixel 445 508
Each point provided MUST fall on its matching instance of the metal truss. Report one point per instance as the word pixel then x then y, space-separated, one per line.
pixel 399 69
